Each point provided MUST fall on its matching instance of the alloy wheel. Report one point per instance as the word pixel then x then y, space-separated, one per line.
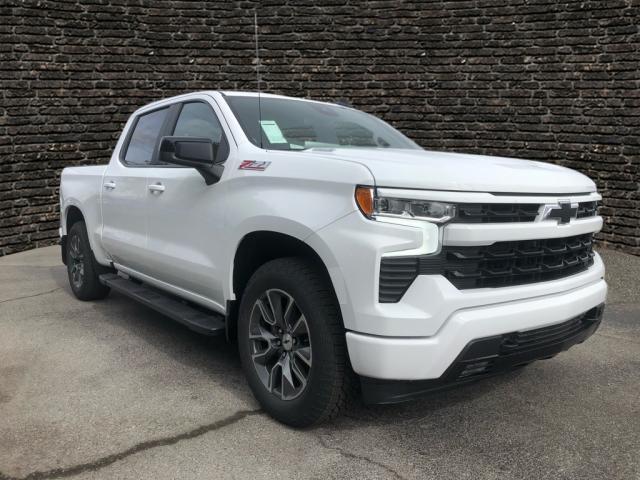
pixel 280 344
pixel 77 261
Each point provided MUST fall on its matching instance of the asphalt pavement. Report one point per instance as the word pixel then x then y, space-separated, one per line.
pixel 110 389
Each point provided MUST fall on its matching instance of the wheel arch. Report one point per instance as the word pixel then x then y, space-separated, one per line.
pixel 257 248
pixel 72 215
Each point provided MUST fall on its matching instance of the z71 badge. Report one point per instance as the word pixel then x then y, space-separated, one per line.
pixel 253 165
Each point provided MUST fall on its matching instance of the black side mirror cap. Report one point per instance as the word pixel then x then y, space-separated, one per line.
pixel 196 152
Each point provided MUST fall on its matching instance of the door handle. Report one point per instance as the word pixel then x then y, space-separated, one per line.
pixel 109 185
pixel 156 187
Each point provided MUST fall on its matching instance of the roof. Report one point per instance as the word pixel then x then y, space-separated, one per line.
pixel 160 102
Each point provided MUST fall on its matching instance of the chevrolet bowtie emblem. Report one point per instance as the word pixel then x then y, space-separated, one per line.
pixel 563 212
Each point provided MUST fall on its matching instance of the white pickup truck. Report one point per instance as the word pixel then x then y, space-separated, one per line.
pixel 340 255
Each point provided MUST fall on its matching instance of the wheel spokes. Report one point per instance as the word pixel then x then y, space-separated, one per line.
pixel 288 387
pixel 267 314
pixel 300 326
pixel 279 303
pixel 264 354
pixel 274 373
pixel 262 333
pixel 302 378
pixel 304 354
pixel 74 248
pixel 288 312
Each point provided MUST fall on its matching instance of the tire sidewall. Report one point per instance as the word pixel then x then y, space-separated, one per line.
pixel 324 366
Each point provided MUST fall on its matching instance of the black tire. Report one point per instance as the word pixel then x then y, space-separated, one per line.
pixel 82 268
pixel 331 382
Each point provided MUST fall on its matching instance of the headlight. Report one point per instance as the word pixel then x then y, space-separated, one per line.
pixel 373 206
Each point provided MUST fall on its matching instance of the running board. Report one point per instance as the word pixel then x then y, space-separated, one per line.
pixel 198 320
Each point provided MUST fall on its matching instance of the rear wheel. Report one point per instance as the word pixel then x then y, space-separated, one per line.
pixel 292 343
pixel 82 268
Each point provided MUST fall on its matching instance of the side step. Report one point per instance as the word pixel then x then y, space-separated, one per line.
pixel 208 323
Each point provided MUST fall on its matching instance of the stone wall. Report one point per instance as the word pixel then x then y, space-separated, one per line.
pixel 552 80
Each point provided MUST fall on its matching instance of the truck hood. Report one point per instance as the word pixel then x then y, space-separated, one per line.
pixel 429 170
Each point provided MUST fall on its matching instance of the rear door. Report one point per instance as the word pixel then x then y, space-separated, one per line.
pixel 185 215
pixel 124 192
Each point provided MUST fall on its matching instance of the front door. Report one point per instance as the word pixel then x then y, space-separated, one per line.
pixel 124 193
pixel 186 216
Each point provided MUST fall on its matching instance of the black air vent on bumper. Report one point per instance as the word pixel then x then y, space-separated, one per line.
pixel 520 342
pixel 501 264
pixel 396 276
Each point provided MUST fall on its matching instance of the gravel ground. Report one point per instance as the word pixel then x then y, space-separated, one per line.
pixel 110 389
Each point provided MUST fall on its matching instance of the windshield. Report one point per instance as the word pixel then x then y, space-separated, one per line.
pixel 289 124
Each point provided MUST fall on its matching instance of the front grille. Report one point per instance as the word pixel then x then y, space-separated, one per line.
pixel 496 212
pixel 515 263
pixel 510 212
pixel 587 209
pixel 501 264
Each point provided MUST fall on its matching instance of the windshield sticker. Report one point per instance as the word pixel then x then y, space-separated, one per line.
pixel 272 131
pixel 253 165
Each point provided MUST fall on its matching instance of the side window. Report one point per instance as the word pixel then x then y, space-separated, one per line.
pixel 197 119
pixel 144 138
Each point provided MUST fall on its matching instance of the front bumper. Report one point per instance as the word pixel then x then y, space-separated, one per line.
pixel 420 358
pixel 490 356
pixel 352 248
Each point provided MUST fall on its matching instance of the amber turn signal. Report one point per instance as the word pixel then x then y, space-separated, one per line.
pixel 364 199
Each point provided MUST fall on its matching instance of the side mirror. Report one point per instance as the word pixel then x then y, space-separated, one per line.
pixel 195 152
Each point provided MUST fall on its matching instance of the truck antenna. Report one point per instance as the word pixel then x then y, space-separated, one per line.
pixel 258 78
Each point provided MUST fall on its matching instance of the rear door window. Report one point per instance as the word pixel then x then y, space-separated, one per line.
pixel 144 138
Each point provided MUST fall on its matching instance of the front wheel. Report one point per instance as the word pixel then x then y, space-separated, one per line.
pixel 292 343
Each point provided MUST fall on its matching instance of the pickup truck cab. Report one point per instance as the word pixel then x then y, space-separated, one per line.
pixel 342 257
